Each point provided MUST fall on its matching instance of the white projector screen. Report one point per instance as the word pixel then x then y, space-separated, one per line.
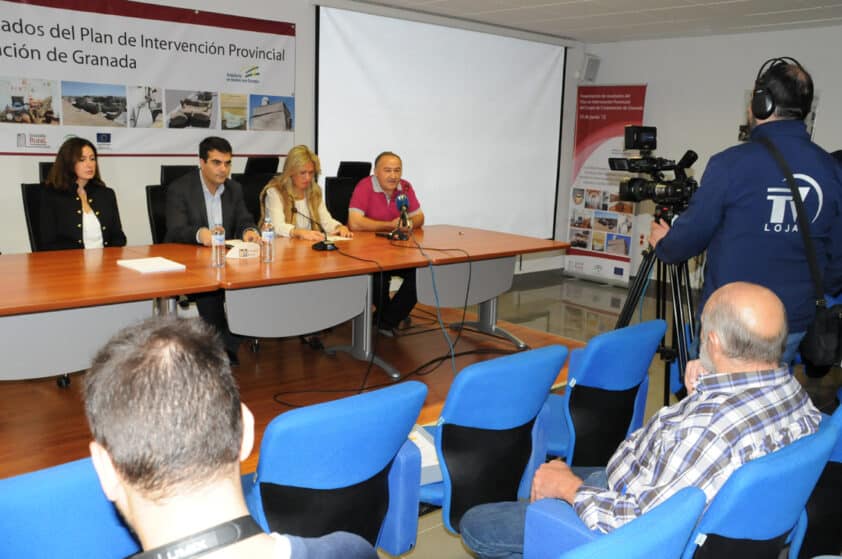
pixel 475 117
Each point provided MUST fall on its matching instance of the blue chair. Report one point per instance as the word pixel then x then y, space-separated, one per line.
pixel 605 399
pixel 489 438
pixel 343 465
pixel 61 512
pixel 824 509
pixel 760 509
pixel 554 531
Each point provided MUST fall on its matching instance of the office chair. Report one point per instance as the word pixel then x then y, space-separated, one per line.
pixel 31 196
pixel 156 208
pixel 169 173
pixel 489 438
pixel 554 531
pixel 343 465
pixel 252 187
pixel 44 168
pixel 824 509
pixel 338 191
pixel 262 165
pixel 354 170
pixel 61 512
pixel 605 399
pixel 760 509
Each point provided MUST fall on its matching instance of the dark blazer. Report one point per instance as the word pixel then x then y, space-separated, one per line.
pixel 186 211
pixel 61 217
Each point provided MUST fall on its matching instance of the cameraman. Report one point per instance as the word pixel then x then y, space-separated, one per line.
pixel 743 212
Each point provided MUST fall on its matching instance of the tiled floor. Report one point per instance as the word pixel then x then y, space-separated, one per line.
pixel 577 309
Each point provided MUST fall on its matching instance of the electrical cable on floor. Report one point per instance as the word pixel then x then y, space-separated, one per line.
pixel 418 371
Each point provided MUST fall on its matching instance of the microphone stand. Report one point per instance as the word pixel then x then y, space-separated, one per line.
pixel 324 245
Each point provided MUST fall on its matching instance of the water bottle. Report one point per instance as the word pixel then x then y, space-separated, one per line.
pixel 218 246
pixel 267 240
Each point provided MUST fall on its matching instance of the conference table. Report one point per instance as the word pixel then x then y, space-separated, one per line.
pixel 59 307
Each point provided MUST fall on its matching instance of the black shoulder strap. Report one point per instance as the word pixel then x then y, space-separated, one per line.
pixel 803 224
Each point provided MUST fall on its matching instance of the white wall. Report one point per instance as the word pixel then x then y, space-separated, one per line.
pixel 128 176
pixel 697 86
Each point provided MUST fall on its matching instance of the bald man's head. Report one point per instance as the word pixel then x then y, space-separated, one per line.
pixel 749 322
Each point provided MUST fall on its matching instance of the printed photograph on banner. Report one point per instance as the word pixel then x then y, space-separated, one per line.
pixel 606 200
pixel 605 221
pixel 593 199
pixel 234 108
pixel 146 107
pixel 190 109
pixel 578 196
pixel 28 101
pixel 618 244
pixel 93 104
pixel 598 241
pixel 581 219
pixel 580 238
pixel 271 112
pixel 625 223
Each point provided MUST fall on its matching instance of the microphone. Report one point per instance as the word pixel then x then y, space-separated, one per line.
pixel 402 203
pixel 321 245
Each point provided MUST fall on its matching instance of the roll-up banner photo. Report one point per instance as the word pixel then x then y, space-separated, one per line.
pixel 602 228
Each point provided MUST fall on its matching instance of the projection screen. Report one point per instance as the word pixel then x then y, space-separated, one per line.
pixel 475 117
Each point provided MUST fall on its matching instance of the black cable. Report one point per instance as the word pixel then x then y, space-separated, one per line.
pixel 418 371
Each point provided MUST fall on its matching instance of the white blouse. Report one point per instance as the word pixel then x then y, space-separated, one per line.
pixel 91 231
pixel 275 207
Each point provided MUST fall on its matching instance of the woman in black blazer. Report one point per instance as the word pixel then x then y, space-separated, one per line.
pixel 77 209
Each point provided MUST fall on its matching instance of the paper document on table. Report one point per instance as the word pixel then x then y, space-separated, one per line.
pixel 430 470
pixel 242 249
pixel 336 238
pixel 152 264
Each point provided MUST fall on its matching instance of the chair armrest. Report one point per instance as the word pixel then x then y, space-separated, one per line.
pixel 553 527
pixel 400 526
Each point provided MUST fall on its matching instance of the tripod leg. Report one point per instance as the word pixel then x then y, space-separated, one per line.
pixel 636 289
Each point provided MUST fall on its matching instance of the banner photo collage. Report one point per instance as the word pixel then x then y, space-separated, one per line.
pixel 601 225
pixel 140 79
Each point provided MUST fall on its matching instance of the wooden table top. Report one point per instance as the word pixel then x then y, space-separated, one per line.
pixel 56 280
pixel 63 279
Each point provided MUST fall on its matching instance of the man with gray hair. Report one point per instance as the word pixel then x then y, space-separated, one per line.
pixel 169 433
pixel 742 404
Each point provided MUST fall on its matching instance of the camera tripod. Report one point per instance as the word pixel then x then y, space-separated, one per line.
pixel 683 326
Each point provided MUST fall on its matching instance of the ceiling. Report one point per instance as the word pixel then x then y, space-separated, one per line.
pixel 601 21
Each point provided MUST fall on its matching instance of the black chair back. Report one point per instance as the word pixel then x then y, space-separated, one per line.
pixel 44 168
pixel 156 207
pixel 262 165
pixel 601 419
pixel 169 173
pixel 356 170
pixel 338 191
pixel 252 187
pixel 31 195
pixel 485 465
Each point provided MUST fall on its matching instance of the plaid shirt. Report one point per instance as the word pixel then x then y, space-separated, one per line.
pixel 729 419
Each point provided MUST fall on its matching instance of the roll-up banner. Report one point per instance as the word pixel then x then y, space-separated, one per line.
pixel 602 229
pixel 142 79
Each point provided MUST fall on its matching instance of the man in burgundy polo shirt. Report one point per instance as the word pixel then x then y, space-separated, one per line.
pixel 373 208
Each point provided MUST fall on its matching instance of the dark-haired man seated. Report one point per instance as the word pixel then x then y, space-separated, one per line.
pixel 196 202
pixel 742 404
pixel 169 433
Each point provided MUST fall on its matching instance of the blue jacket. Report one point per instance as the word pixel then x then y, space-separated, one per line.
pixel 743 214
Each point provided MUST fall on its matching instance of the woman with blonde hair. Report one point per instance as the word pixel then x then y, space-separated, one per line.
pixel 295 202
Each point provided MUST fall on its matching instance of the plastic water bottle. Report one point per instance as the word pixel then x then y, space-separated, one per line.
pixel 218 246
pixel 267 240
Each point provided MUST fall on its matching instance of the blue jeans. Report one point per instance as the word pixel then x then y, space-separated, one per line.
pixel 495 530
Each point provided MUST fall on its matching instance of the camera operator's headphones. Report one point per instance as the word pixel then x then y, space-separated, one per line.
pixel 763 102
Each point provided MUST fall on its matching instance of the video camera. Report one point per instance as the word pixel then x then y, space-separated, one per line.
pixel 671 197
